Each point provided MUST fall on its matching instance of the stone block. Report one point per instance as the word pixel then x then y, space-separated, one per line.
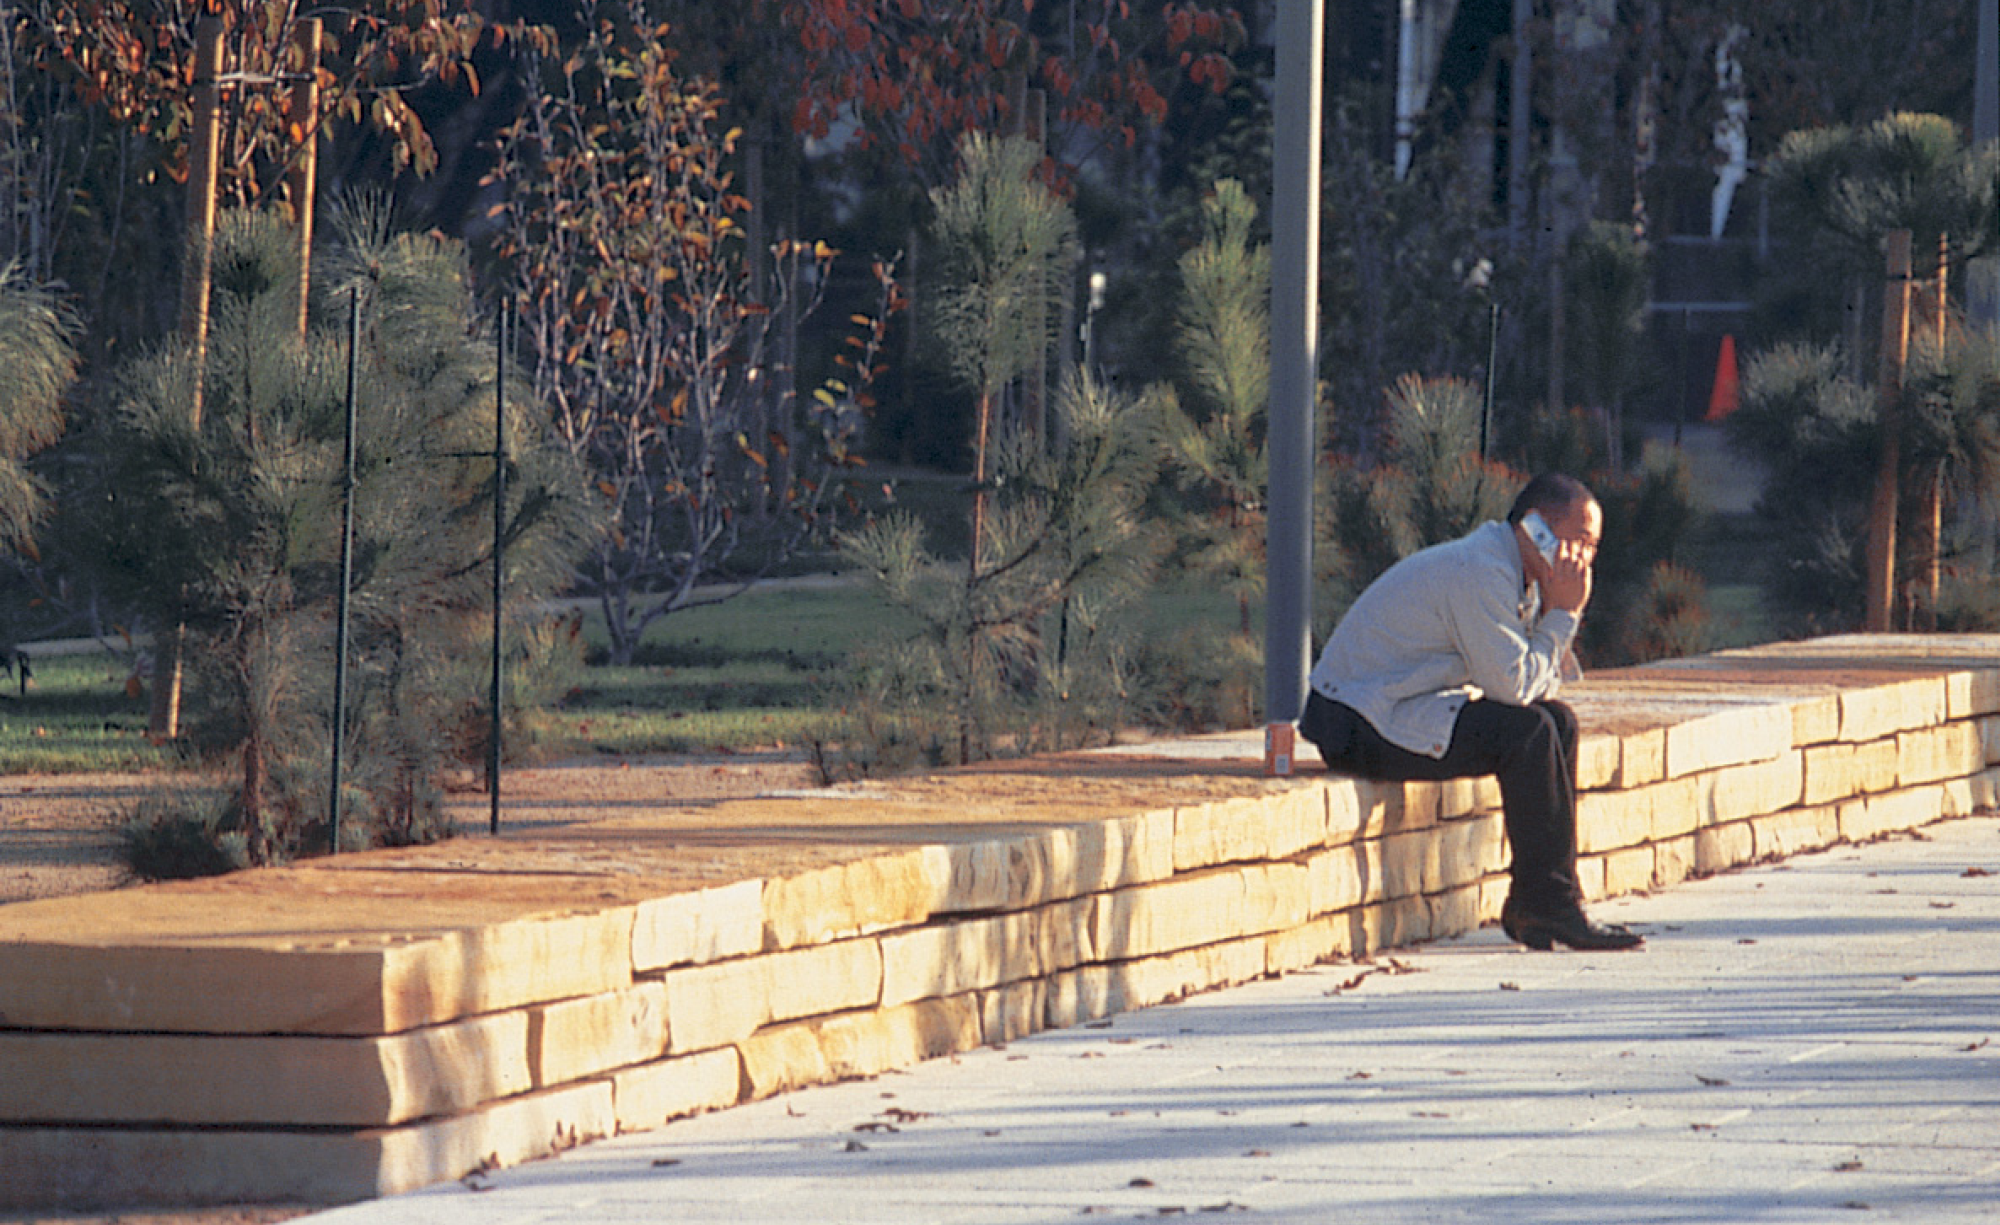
pixel 1410 863
pixel 1344 808
pixel 1986 790
pixel 1642 759
pixel 1836 772
pixel 1681 805
pixel 1454 912
pixel 360 985
pixel 572 1039
pixel 1169 916
pixel 1323 938
pixel 1989 739
pixel 1469 849
pixel 46 1169
pixel 1275 896
pixel 1388 807
pixel 1120 852
pixel 1728 737
pixel 1959 798
pixel 1337 879
pixel 1891 812
pixel 1748 791
pixel 1401 922
pixel 959 956
pixel 1628 871
pixel 654 1094
pixel 1077 996
pixel 1063 935
pixel 1590 875
pixel 1883 710
pixel 1597 760
pixel 1159 980
pixel 891 888
pixel 1972 693
pixel 1722 847
pixel 1493 893
pixel 1815 719
pixel 1796 830
pixel 824 978
pixel 850 1045
pixel 1013 1011
pixel 1460 797
pixel 1674 861
pixel 1606 820
pixel 715 1005
pixel 1278 823
pixel 694 928
pixel 1933 754
pixel 1025 870
pixel 224 1080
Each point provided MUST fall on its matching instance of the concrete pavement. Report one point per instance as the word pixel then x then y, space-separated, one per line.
pixel 1815 1040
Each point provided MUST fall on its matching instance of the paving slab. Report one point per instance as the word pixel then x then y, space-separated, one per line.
pixel 1811 1041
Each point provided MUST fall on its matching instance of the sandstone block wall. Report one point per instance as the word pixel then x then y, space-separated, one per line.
pixel 367 1025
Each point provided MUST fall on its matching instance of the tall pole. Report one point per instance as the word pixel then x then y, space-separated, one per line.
pixel 204 155
pixel 1291 439
pixel 301 182
pixel 499 545
pixel 1520 117
pixel 1982 289
pixel 164 718
pixel 346 573
pixel 1881 576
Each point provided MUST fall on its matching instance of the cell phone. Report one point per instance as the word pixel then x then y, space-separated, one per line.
pixel 1542 536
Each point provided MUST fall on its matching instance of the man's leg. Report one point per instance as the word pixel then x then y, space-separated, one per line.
pixel 1532 751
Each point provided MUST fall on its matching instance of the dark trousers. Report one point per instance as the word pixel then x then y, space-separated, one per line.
pixel 1530 749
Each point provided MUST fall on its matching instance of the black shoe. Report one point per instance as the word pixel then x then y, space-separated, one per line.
pixel 1573 928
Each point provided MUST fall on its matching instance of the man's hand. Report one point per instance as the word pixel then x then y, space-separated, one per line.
pixel 1568 583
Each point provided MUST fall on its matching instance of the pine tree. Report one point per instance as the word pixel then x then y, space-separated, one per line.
pixel 1029 653
pixel 1215 437
pixel 231 526
pixel 37 365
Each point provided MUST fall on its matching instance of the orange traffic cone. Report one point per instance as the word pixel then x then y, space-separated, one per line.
pixel 1722 397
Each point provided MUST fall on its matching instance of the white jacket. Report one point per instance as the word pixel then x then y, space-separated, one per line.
pixel 1442 627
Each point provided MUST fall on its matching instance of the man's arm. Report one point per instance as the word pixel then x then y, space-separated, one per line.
pixel 1509 663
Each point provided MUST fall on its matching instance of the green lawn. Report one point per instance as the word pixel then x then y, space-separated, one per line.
pixel 76 718
pixel 754 672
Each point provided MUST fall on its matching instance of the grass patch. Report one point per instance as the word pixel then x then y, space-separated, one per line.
pixel 753 672
pixel 76 718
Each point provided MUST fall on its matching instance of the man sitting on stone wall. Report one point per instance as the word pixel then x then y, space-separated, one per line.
pixel 1448 666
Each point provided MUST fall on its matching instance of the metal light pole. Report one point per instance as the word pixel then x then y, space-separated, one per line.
pixel 1291 441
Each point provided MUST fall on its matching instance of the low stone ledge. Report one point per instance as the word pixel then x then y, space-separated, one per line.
pixel 617 975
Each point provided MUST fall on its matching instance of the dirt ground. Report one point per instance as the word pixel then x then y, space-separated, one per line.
pixel 59 835
pixel 59 832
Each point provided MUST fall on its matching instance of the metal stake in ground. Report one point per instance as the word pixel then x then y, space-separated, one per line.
pixel 499 546
pixel 346 575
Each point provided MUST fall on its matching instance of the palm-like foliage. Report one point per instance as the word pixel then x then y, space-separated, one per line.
pixel 37 365
pixel 1902 172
